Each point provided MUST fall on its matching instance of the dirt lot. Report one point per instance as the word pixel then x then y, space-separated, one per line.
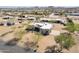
pixel 43 41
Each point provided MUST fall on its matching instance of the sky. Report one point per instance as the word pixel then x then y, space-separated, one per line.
pixel 65 3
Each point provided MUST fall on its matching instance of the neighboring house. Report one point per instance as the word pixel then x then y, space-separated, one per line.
pixel 63 21
pixel 59 20
pixel 44 28
pixel 7 17
pixel 73 14
pixel 31 18
pixel 6 23
pixel 21 17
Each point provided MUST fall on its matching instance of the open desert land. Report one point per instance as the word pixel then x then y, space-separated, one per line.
pixel 9 33
pixel 39 31
pixel 42 42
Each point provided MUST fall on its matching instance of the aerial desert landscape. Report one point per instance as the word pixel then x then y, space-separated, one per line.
pixel 39 30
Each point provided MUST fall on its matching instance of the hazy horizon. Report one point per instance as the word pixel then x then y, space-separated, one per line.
pixel 38 6
pixel 27 3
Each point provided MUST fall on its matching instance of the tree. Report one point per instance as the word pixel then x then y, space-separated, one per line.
pixel 65 40
pixel 46 12
pixel 77 27
pixel 70 25
pixel 62 13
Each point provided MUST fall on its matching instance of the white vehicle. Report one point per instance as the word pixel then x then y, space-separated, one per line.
pixel 44 28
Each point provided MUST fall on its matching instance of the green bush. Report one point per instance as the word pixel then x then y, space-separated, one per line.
pixel 77 27
pixel 65 40
pixel 70 27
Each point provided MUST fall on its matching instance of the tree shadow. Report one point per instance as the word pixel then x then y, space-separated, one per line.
pixel 12 42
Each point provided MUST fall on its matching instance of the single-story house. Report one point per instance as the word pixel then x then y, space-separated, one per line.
pixel 60 20
pixel 31 18
pixel 6 23
pixel 44 28
pixel 7 17
pixel 64 21
pixel 73 14
pixel 21 17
